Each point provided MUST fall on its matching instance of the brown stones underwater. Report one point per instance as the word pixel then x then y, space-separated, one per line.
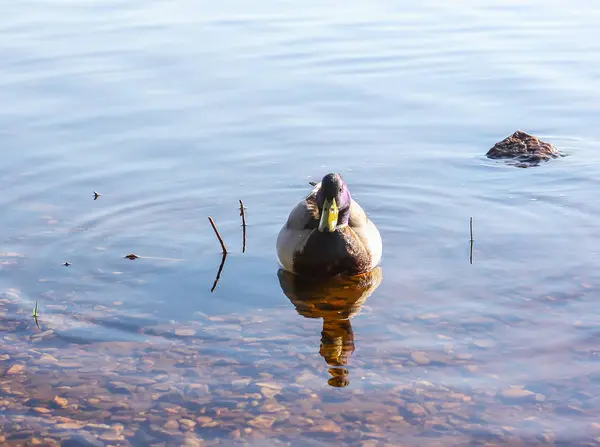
pixel 525 149
pixel 277 377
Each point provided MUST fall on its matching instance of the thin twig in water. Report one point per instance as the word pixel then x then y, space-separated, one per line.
pixel 212 222
pixel 219 272
pixel 243 214
pixel 471 227
pixel 471 241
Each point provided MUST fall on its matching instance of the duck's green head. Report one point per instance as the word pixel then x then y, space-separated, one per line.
pixel 333 200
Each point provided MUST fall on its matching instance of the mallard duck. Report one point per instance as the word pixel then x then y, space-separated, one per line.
pixel 328 234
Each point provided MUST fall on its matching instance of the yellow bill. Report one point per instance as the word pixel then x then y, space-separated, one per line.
pixel 329 216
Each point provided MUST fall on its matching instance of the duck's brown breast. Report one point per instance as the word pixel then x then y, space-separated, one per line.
pixel 330 254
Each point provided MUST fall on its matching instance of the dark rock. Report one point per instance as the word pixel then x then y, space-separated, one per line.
pixel 21 434
pixel 120 388
pixel 524 148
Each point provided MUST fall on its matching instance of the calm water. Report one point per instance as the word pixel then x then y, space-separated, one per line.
pixel 174 111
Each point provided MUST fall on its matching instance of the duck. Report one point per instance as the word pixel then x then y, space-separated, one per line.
pixel 328 234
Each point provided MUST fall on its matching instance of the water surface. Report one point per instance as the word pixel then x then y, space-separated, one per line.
pixel 174 111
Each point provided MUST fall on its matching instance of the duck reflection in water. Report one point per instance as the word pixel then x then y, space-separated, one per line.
pixel 335 300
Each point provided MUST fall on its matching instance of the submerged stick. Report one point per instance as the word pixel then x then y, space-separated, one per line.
pixel 243 214
pixel 471 253
pixel 35 315
pixel 212 222
pixel 219 272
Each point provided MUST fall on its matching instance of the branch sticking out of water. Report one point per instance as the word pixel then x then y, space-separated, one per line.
pixel 471 241
pixel 243 214
pixel 212 222
pixel 471 227
pixel 219 272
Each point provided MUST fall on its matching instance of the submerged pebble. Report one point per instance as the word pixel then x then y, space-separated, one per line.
pixel 15 369
pixel 516 393
pixel 60 402
pixel 420 358
pixel 262 422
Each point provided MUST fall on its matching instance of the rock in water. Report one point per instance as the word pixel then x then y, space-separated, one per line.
pixel 525 148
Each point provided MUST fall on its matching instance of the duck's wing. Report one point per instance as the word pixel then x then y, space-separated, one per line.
pixel 305 215
pixel 358 217
pixel 367 232
pixel 301 222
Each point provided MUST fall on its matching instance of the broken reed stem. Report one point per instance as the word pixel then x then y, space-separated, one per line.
pixel 212 222
pixel 471 227
pixel 471 241
pixel 243 214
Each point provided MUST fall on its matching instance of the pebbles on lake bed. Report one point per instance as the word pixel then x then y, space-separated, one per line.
pixel 182 391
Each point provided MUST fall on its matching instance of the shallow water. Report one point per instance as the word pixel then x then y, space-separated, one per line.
pixel 174 111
